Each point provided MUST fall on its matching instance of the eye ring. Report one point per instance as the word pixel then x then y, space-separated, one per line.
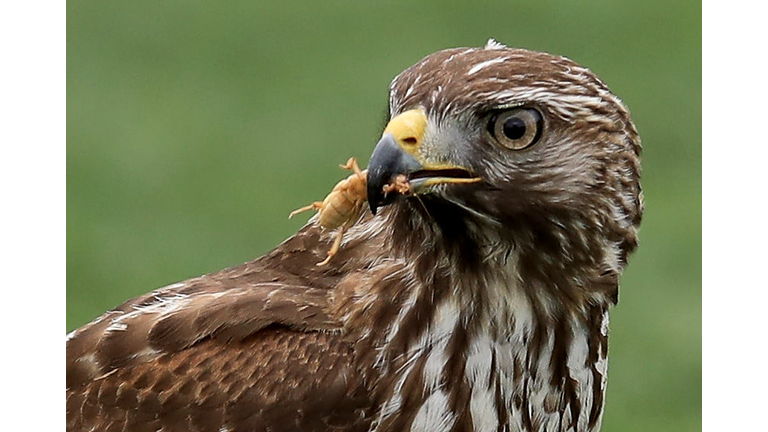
pixel 516 128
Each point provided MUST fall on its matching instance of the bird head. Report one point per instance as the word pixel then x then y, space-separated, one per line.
pixel 529 146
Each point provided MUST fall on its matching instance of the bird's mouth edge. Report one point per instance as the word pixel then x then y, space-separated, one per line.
pixel 422 178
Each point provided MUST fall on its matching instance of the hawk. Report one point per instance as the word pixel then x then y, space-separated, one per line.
pixel 462 306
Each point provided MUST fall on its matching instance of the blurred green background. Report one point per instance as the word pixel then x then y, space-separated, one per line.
pixel 193 128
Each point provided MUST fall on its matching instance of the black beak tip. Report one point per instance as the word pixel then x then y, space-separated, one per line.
pixel 373 205
pixel 374 186
pixel 387 161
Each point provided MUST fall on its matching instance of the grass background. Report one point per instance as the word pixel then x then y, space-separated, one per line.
pixel 194 127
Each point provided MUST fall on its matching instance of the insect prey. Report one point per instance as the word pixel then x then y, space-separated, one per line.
pixel 342 207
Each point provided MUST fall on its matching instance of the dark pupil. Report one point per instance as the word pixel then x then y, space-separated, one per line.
pixel 514 128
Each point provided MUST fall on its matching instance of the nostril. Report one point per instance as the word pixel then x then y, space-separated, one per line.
pixel 410 140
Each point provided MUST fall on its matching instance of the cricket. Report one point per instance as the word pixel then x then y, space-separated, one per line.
pixel 342 208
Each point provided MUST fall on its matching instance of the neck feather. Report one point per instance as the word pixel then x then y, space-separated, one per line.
pixel 497 342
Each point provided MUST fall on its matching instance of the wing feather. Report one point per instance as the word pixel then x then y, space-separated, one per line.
pixel 247 348
pixel 277 379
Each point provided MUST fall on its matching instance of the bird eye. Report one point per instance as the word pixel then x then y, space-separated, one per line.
pixel 517 128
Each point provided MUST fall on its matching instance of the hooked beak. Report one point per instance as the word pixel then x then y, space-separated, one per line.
pixel 398 153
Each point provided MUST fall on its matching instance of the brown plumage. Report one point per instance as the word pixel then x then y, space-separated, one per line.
pixel 476 301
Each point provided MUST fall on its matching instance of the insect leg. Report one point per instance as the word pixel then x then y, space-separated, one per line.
pixel 335 247
pixel 317 205
pixel 353 166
